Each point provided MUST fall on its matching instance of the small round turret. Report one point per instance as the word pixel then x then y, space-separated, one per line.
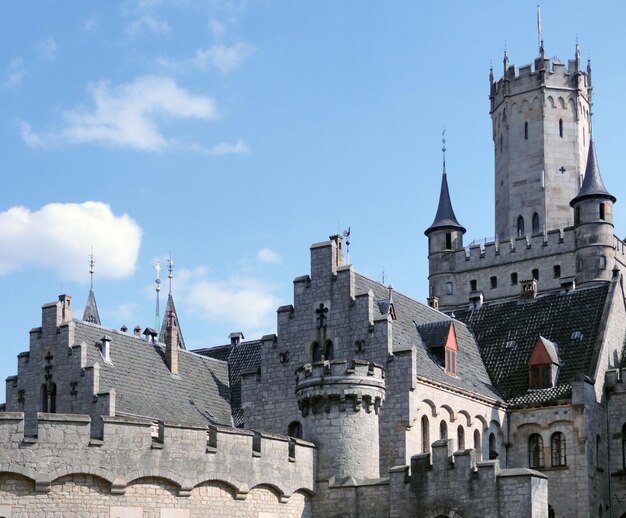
pixel 593 222
pixel 340 404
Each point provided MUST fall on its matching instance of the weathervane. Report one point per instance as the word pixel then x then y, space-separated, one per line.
pixel 346 235
pixel 157 287
pixel 92 263
pixel 443 149
pixel 170 268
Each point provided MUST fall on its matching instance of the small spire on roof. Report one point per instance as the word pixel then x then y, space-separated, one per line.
pixel 91 308
pixel 505 60
pixel 490 71
pixel 593 186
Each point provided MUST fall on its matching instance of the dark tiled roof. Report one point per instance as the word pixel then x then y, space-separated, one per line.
pixel 434 334
pixel 242 357
pixel 91 309
pixel 507 333
pixel 471 373
pixel 593 186
pixel 144 385
pixel 445 217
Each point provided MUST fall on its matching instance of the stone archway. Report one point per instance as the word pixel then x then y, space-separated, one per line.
pixel 445 512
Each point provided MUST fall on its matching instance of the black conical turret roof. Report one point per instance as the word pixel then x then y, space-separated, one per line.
pixel 593 186
pixel 445 217
pixel 91 310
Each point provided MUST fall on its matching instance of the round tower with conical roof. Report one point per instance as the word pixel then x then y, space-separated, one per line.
pixel 593 223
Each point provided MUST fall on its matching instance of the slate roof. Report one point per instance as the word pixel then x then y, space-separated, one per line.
pixel 144 386
pixel 91 309
pixel 445 217
pixel 593 186
pixel 507 333
pixel 170 308
pixel 410 314
pixel 242 357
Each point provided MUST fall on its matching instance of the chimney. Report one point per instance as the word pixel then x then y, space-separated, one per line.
pixel 568 284
pixel 337 239
pixel 137 331
pixel 475 299
pixel 171 344
pixel 105 348
pixel 66 307
pixel 124 328
pixel 529 289
pixel 433 302
pixel 236 338
pixel 150 335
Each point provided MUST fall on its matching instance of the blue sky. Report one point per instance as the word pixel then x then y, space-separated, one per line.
pixel 236 134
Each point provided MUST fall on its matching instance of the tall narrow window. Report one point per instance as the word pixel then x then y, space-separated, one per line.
pixel 316 352
pixel 477 445
pixel 493 452
pixel 425 435
pixel 44 398
pixel 535 274
pixel 514 278
pixel 556 270
pixel 443 430
pixel 598 449
pixel 602 211
pixel 535 451
pixel 448 240
pixel 295 430
pixel 52 399
pixel 500 142
pixel 535 223
pixel 460 437
pixel 557 448
pixel 493 282
pixel 473 285
pixel 602 262
pixel 561 128
pixel 520 226
pixel 577 216
pixel 329 351
pixel 526 131
pixel 449 288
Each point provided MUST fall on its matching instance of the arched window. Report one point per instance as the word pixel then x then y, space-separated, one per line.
pixel 526 131
pixel 551 513
pixel 477 445
pixel 316 352
pixel 535 451
pixel 493 452
pixel 561 128
pixel 448 240
pixel 520 226
pixel 329 352
pixel 535 223
pixel 460 437
pixel 295 430
pixel 443 430
pixel 44 398
pixel 49 398
pixel 449 288
pixel 425 435
pixel 557 448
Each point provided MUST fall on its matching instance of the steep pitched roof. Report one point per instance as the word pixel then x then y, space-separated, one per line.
pixel 144 386
pixel 593 186
pixel 445 217
pixel 91 309
pixel 169 310
pixel 414 318
pixel 245 356
pixel 507 333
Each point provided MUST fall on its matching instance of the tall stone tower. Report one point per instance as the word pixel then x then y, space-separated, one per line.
pixel 540 123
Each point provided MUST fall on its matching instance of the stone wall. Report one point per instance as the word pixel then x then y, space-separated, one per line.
pixel 142 469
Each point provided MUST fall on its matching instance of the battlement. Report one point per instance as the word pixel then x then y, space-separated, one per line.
pixel 133 447
pixel 552 74
pixel 323 385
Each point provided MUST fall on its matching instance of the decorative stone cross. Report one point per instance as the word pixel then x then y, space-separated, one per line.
pixel 321 315
pixel 562 169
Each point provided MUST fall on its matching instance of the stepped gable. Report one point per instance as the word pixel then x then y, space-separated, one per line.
pixel 507 333
pixel 198 395
pixel 412 318
pixel 245 356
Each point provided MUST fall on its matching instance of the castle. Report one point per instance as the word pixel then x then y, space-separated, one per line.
pixel 505 396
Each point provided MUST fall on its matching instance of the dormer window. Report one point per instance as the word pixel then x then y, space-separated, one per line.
pixel 543 364
pixel 440 340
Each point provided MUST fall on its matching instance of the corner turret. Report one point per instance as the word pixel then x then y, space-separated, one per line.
pixel 593 223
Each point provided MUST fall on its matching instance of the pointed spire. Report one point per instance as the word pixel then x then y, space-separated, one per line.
pixel 577 58
pixel 505 61
pixel 593 186
pixel 490 73
pixel 170 313
pixel 91 308
pixel 445 217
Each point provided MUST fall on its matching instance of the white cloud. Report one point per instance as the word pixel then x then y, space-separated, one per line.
pixel 148 23
pixel 224 58
pixel 217 29
pixel 244 302
pixel 59 237
pixel 48 49
pixel 268 256
pixel 127 115
pixel 14 74
pixel 229 148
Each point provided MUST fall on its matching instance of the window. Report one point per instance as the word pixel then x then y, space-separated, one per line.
pixel 494 282
pixel 295 430
pixel 460 437
pixel 561 128
pixel 493 454
pixel 556 271
pixel 526 131
pixel 500 142
pixel 450 361
pixel 602 214
pixel 598 449
pixel 329 351
pixel 473 285
pixel 535 223
pixel 602 262
pixel 425 435
pixel 535 451
pixel 449 288
pixel 443 430
pixel 448 240
pixel 557 448
pixel 477 445
pixel 520 226
pixel 540 376
pixel 514 278
pixel 535 274
pixel 48 398
pixel 316 352
pixel 577 216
